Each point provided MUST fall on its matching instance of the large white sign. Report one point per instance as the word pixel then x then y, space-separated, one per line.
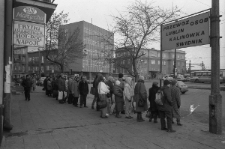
pixel 193 31
pixel 29 34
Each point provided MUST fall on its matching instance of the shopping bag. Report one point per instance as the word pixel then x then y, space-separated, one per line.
pixel 60 95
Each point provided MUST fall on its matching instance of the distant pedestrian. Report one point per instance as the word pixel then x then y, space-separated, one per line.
pixel 62 89
pixel 27 84
pixel 49 87
pixel 69 91
pixel 95 90
pixel 128 96
pixel 175 93
pixel 118 92
pixel 153 106
pixel 84 90
pixel 34 81
pixel 165 110
pixel 45 85
pixel 75 91
pixel 140 93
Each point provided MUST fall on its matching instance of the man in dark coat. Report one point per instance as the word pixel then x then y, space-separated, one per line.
pixel 83 89
pixel 165 110
pixel 153 107
pixel 27 84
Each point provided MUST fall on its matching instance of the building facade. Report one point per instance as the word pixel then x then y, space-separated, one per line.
pixel 149 64
pixel 96 40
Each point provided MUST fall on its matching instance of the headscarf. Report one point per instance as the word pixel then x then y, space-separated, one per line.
pixel 141 78
pixel 117 82
pixel 128 80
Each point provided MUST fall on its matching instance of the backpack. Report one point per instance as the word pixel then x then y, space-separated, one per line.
pixel 159 98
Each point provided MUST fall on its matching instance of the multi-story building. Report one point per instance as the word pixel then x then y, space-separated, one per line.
pixel 96 40
pixel 149 64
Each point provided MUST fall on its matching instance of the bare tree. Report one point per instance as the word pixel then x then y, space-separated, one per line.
pixel 62 46
pixel 138 28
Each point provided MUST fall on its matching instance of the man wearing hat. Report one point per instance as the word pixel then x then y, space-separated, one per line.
pixel 165 110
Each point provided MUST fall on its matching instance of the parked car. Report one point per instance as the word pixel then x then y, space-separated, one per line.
pixel 182 86
pixel 181 78
pixel 168 78
pixel 40 82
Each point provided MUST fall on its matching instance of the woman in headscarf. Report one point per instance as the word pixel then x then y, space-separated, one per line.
pixel 140 93
pixel 109 82
pixel 118 92
pixel 128 96
pixel 153 106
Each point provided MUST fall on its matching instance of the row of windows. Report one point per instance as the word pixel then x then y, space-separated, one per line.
pixel 151 54
pixel 36 59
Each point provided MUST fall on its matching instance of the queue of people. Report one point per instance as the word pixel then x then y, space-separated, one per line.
pixel 115 96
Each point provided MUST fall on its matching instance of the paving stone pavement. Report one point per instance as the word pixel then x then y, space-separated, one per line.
pixel 43 123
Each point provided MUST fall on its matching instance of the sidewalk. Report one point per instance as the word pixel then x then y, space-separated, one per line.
pixel 43 123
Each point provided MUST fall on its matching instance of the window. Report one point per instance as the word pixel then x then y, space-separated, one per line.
pixel 47 67
pixel 152 61
pixel 172 55
pixel 158 62
pixel 164 62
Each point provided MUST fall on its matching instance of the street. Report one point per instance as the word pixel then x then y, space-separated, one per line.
pixel 43 123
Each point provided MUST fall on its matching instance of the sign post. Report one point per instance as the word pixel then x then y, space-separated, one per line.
pixel 215 98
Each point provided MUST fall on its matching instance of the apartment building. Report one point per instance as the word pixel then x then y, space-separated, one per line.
pixel 149 64
pixel 96 41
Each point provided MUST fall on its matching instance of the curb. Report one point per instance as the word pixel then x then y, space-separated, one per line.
pixel 204 88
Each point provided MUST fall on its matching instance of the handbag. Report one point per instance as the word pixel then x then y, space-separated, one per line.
pixel 60 95
pixel 102 104
pixel 93 91
pixel 141 102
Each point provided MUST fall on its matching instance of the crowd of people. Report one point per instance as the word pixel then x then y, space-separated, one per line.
pixel 116 96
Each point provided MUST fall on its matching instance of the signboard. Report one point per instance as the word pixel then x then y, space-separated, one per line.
pixel 29 34
pixel 27 13
pixel 193 31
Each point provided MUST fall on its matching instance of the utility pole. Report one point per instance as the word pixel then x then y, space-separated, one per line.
pixel 2 31
pixel 7 63
pixel 215 98
pixel 190 67
pixel 175 64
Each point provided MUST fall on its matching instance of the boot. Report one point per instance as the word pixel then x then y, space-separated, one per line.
pixel 178 122
pixel 139 117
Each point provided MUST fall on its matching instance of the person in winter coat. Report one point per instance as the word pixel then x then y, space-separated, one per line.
pixel 128 96
pixel 165 110
pixel 84 90
pixel 95 84
pixel 118 92
pixel 49 87
pixel 62 89
pixel 140 93
pixel 95 88
pixel 175 93
pixel 69 91
pixel 75 91
pixel 34 81
pixel 103 89
pixel 153 106
pixel 27 84
pixel 109 82
pixel 45 85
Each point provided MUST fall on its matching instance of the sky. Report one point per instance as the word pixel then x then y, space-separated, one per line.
pixel 100 12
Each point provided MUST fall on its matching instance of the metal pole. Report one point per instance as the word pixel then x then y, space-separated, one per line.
pixel 2 29
pixel 215 99
pixel 161 54
pixel 7 60
pixel 175 63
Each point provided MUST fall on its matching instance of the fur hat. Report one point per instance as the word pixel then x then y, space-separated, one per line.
pixel 174 82
pixel 166 82
pixel 120 75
